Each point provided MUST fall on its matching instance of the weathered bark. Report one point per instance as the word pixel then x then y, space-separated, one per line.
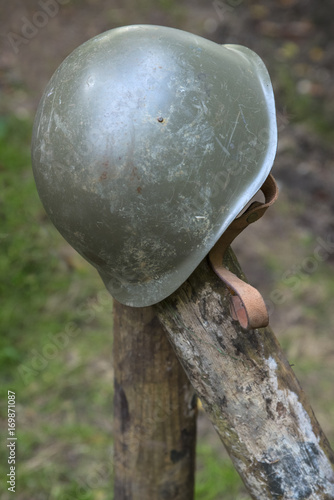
pixel 155 412
pixel 249 391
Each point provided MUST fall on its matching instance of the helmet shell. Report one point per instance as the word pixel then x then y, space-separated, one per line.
pixel 147 143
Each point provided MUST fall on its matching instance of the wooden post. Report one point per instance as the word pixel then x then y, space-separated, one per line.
pixel 155 412
pixel 249 391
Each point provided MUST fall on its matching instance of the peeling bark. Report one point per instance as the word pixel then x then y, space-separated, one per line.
pixel 155 412
pixel 249 391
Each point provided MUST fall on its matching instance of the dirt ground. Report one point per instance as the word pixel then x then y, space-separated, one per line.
pixel 288 255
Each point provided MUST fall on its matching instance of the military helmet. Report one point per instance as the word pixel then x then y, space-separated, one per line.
pixel 147 143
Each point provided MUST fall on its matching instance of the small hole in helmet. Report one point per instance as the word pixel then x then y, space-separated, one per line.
pixel 160 119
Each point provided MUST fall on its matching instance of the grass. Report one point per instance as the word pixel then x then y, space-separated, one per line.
pixel 55 352
pixel 305 108
pixel 216 477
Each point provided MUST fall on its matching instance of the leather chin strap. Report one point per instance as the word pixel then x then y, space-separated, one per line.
pixel 247 304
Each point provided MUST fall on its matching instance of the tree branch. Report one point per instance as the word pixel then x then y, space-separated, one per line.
pixel 249 391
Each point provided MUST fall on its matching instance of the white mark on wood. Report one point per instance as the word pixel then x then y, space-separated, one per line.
pixel 304 453
pixel 292 399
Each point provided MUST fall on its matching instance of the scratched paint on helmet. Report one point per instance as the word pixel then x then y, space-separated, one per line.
pixel 147 143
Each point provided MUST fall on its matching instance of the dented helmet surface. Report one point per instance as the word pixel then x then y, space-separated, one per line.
pixel 147 143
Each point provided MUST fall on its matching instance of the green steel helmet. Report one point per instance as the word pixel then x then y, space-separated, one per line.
pixel 147 143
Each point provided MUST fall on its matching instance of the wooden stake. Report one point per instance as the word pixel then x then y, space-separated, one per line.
pixel 155 412
pixel 249 391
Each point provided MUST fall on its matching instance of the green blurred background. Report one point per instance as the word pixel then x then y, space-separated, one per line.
pixel 56 317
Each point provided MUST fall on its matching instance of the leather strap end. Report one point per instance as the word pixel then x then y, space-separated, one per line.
pixel 247 304
pixel 239 313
